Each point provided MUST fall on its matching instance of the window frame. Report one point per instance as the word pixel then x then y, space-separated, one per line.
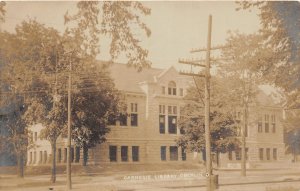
pixel 275 154
pixel 135 151
pixel 173 156
pixel 163 153
pixel 113 152
pixel 172 89
pixel 238 154
pixel 261 154
pixel 172 116
pixel 124 153
pixel 123 119
pixel 183 154
pixel 259 124
pixel 273 122
pixel 267 122
pixel 268 154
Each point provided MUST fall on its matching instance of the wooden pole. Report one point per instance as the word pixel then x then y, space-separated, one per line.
pixel 69 181
pixel 207 109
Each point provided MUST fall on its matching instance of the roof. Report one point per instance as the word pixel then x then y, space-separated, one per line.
pixel 128 78
pixel 266 100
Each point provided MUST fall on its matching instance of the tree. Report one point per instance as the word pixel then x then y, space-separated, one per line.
pixel 292 132
pixel 223 124
pixel 2 11
pixel 117 20
pixel 29 56
pixel 18 137
pixel 280 27
pixel 95 100
pixel 243 72
pixel 37 58
pixel 14 137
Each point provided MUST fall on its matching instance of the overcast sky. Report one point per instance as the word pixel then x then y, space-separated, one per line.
pixel 176 26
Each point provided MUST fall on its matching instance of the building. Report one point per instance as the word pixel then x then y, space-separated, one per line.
pixel 264 136
pixel 147 135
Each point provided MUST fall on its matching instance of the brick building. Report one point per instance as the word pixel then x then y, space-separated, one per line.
pixel 148 133
pixel 264 136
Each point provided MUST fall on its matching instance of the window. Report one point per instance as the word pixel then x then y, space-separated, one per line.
pixel 113 153
pixel 183 154
pixel 172 119
pixel 30 158
pixel 124 153
pixel 31 137
pixel 274 154
pixel 162 119
pixel 259 124
pixel 172 88
pixel 59 155
pixel 41 157
pixel 162 109
pixel 112 120
pixel 238 154
pixel 35 136
pixel 181 92
pixel 230 155
pixel 123 119
pixel 135 153
pixel 72 154
pixel 261 154
pixel 34 157
pixel 273 121
pixel 162 124
pixel 134 115
pixel 172 124
pixel 45 156
pixel 163 153
pixel 77 154
pixel 163 90
pixel 173 153
pixel 267 123
pixel 66 152
pixel 268 153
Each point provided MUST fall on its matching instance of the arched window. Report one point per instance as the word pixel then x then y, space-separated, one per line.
pixel 172 88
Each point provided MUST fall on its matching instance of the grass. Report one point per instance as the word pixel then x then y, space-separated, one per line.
pixel 102 169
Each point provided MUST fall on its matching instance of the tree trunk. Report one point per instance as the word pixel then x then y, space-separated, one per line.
pixel 85 154
pixel 218 158
pixel 53 167
pixel 243 149
pixel 20 165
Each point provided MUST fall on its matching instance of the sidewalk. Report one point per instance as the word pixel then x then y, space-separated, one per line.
pixel 155 180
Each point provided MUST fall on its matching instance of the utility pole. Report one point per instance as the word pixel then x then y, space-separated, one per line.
pixel 207 106
pixel 69 181
pixel 211 182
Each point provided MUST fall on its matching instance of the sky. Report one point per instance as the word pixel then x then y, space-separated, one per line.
pixel 176 26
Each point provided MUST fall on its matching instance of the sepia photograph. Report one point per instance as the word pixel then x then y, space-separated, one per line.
pixel 149 95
